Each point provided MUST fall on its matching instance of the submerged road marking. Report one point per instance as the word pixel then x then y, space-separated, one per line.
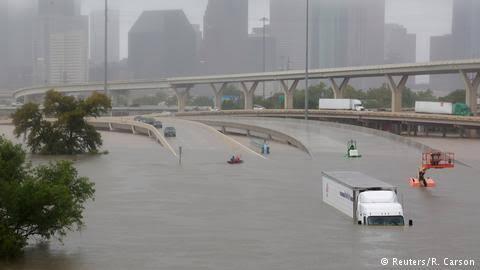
pixel 226 138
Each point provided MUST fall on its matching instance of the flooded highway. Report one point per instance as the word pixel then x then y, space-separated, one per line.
pixel 152 213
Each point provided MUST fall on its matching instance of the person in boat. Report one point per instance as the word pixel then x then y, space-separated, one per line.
pixel 352 146
pixel 232 159
pixel 421 177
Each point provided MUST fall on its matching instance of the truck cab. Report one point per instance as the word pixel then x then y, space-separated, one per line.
pixel 357 105
pixel 379 208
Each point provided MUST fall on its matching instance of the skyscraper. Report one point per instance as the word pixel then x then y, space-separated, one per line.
pixel 59 7
pixel 20 37
pixel 348 33
pixel 60 43
pixel 400 46
pixel 97 37
pixel 366 29
pixel 342 32
pixel 463 43
pixel 441 49
pixel 287 22
pixel 465 31
pixel 330 28
pixel 3 44
pixel 226 36
pixel 161 44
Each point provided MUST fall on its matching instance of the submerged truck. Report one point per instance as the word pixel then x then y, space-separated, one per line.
pixel 442 108
pixel 366 200
pixel 340 104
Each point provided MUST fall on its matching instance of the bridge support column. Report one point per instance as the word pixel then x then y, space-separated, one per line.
pixel 217 102
pixel 338 90
pixel 471 88
pixel 397 90
pixel 289 92
pixel 249 94
pixel 182 96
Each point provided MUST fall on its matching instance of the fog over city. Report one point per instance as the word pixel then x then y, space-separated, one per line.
pixel 283 40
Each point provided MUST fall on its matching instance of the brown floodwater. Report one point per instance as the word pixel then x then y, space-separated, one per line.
pixel 152 213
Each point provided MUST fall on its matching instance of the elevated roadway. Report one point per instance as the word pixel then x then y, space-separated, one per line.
pixel 469 70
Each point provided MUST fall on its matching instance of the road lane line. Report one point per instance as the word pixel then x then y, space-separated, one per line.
pixel 226 138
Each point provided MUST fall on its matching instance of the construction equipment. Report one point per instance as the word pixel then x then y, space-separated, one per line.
pixel 352 150
pixel 432 160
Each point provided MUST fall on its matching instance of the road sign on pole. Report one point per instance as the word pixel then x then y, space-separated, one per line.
pixel 180 150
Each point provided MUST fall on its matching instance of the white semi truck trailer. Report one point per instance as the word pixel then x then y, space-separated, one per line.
pixel 365 199
pixel 340 104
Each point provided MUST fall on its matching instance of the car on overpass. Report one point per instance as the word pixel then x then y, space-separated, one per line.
pixel 170 132
pixel 149 121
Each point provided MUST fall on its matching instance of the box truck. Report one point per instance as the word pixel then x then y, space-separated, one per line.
pixel 442 108
pixel 366 200
pixel 340 104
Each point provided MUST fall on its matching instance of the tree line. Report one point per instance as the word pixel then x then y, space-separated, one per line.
pixel 373 98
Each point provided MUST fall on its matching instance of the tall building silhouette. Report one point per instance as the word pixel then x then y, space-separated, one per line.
pixel 97 37
pixel 3 44
pixel 59 7
pixel 465 31
pixel 225 44
pixel 400 46
pixel 287 24
pixel 462 43
pixel 342 32
pixel 60 43
pixel 161 44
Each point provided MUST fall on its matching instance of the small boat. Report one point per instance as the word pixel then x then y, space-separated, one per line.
pixel 236 160
pixel 414 182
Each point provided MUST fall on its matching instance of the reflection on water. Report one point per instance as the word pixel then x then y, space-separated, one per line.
pixel 150 213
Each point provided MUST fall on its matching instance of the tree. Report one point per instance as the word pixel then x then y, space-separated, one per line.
pixel 457 96
pixel 426 95
pixel 151 100
pixel 315 92
pixel 233 98
pixel 202 101
pixel 60 127
pixel 43 203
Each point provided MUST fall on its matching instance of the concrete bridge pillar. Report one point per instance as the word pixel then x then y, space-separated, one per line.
pixel 397 90
pixel 218 94
pixel 289 93
pixel 249 94
pixel 338 90
pixel 182 96
pixel 471 88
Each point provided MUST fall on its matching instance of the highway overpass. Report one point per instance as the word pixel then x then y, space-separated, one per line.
pixel 396 77
pixel 399 123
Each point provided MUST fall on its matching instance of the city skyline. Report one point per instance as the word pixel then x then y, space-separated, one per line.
pixel 409 13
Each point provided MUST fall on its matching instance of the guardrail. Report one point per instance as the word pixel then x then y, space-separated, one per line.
pixel 111 123
pixel 271 134
pixel 467 121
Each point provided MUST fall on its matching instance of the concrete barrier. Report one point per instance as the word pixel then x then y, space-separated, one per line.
pixel 257 131
pixel 135 127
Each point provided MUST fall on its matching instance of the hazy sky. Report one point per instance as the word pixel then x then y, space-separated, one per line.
pixel 423 17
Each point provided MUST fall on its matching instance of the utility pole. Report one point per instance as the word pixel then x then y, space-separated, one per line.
pixel 105 83
pixel 264 21
pixel 306 58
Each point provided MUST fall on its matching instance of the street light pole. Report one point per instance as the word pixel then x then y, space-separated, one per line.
pixel 264 20
pixel 306 58
pixel 105 83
